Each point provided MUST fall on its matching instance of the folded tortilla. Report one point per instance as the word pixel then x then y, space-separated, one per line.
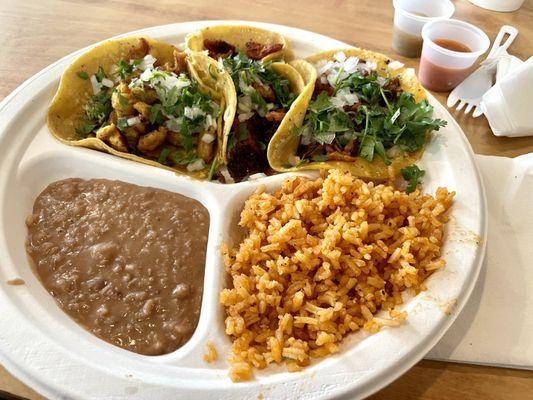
pixel 284 145
pixel 238 36
pixel 67 108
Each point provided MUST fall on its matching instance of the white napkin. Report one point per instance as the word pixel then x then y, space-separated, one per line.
pixel 496 325
pixel 507 104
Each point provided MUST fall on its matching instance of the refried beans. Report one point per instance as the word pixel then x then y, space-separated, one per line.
pixel 124 261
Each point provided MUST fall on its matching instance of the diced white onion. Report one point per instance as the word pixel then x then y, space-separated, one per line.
pixel 324 67
pixel 371 65
pixel 340 56
pixel 208 138
pixel 174 124
pixel 344 98
pixel 243 86
pixel 193 112
pixel 196 165
pixel 107 83
pixel 133 121
pixel 245 116
pixel 394 151
pixel 147 75
pixel 95 84
pixel 225 173
pixel 350 65
pixel 396 65
pixel 348 135
pixel 307 135
pixel 210 122
pixel 409 72
pixel 245 104
pixel 294 160
pixel 147 62
pixel 329 137
pixel 382 80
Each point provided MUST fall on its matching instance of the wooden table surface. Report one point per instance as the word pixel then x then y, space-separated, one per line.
pixel 36 33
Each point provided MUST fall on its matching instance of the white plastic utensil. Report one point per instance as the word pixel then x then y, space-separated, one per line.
pixel 470 91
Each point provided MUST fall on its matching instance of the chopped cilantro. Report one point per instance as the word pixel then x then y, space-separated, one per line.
pixel 212 73
pixel 259 103
pixel 413 175
pixel 320 158
pixel 184 157
pixel 212 169
pixel 231 142
pixel 156 115
pixel 242 68
pixel 124 68
pixel 122 101
pixel 163 155
pixel 383 119
pixel 98 108
pixel 85 129
pixel 83 75
pixel 100 74
pixel 122 123
pixel 243 131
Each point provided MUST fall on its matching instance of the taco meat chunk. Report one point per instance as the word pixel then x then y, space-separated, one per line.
pixel 275 116
pixel 257 51
pixel 218 48
pixel 322 87
pixel 246 158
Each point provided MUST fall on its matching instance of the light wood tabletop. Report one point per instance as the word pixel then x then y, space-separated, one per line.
pixel 36 33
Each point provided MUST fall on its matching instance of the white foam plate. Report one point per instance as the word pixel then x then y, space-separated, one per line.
pixel 49 352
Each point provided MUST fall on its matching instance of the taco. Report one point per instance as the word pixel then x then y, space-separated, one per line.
pixel 143 100
pixel 366 115
pixel 222 41
pixel 266 92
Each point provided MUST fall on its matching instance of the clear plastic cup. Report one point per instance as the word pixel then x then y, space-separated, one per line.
pixel 442 69
pixel 410 16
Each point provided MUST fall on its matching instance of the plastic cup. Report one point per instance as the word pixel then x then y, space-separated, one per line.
pixel 410 16
pixel 442 69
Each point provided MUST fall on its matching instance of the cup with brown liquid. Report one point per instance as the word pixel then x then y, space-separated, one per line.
pixel 410 16
pixel 449 52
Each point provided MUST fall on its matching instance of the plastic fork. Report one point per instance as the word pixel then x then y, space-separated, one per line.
pixel 469 92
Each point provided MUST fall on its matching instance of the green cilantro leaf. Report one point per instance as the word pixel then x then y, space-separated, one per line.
pixel 163 155
pixel 83 75
pixel 100 74
pixel 156 114
pixel 184 157
pixel 98 108
pixel 413 175
pixel 84 130
pixel 212 169
pixel 122 123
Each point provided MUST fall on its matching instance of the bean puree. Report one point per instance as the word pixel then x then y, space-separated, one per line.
pixel 124 261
